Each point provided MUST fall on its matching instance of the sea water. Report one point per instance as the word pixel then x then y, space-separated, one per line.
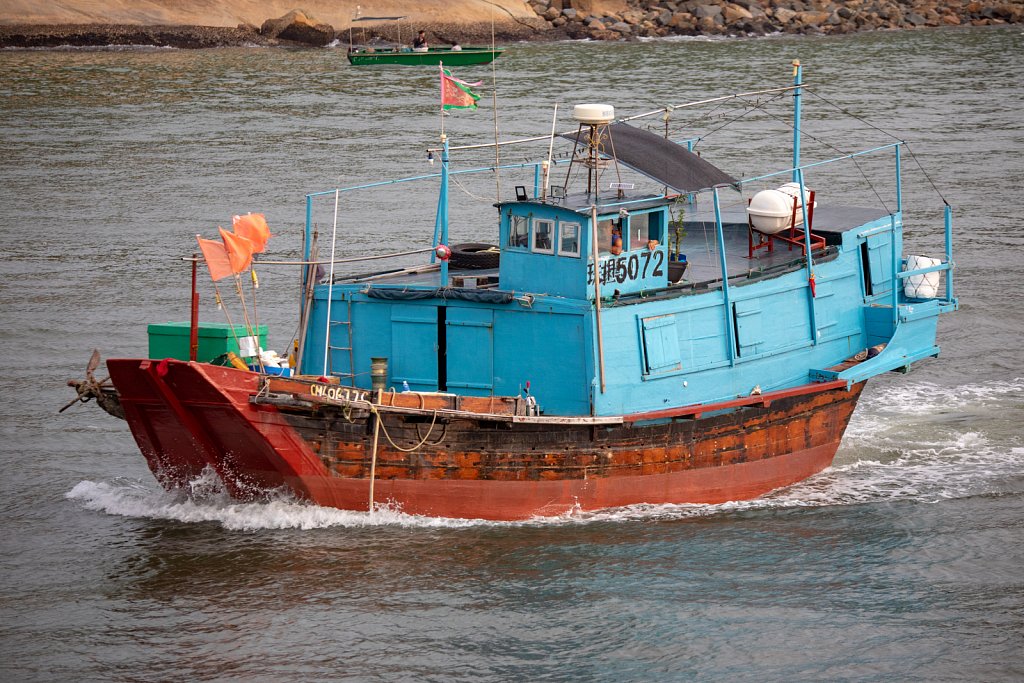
pixel 903 561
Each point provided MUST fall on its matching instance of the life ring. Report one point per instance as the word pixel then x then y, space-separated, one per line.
pixel 475 256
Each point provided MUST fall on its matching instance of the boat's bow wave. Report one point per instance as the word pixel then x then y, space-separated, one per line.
pixel 923 468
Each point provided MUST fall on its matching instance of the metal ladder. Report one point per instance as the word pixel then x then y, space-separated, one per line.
pixel 347 323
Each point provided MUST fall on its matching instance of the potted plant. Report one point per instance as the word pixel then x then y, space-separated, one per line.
pixel 677 231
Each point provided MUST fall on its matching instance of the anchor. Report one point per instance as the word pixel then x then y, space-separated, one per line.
pixel 90 388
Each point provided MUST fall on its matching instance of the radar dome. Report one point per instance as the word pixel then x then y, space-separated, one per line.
pixel 594 113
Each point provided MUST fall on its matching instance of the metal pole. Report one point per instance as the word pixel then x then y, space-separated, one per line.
pixel 798 79
pixel 895 270
pixel 437 228
pixel 444 204
pixel 193 331
pixel 810 259
pixel 899 182
pixel 949 252
pixel 597 295
pixel 727 305
pixel 546 164
pixel 307 238
pixel 373 453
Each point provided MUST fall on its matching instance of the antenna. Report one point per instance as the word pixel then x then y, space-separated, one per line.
pixel 597 118
pixel 546 164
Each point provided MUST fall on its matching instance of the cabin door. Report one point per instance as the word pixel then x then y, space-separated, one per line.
pixel 469 351
pixel 878 251
pixel 414 347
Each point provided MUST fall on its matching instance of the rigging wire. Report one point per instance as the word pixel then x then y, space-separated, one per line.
pixel 887 133
pixel 754 107
pixel 474 196
pixel 832 147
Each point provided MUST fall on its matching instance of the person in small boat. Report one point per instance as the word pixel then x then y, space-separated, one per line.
pixel 420 42
pixel 456 47
pixel 616 245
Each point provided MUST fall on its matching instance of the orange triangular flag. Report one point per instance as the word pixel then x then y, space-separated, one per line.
pixel 253 227
pixel 216 256
pixel 239 250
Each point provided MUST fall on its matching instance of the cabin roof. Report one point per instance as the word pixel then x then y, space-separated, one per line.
pixel 580 202
pixel 665 161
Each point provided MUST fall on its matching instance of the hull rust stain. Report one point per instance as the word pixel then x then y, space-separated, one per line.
pixel 459 467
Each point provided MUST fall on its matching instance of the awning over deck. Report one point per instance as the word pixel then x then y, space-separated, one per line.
pixel 655 157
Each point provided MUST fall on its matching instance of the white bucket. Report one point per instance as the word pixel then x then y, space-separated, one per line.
pixel 248 347
pixel 924 286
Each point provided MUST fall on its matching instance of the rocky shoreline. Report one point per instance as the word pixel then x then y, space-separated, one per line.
pixel 661 18
pixel 558 20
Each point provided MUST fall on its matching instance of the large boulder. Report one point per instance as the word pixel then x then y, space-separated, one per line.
pixel 599 6
pixel 299 27
pixel 734 13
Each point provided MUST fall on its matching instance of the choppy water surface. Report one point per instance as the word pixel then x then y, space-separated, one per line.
pixel 901 562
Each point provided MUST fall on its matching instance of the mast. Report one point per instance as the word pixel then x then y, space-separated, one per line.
pixel 443 208
pixel 798 79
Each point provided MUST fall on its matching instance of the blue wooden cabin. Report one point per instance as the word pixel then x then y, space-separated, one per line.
pixel 776 321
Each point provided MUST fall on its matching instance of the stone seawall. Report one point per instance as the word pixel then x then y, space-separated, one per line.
pixel 659 18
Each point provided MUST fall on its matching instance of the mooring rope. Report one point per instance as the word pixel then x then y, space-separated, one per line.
pixel 373 409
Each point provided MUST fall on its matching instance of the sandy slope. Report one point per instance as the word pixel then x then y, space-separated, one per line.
pixel 230 13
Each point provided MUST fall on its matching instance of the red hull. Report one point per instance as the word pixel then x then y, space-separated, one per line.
pixel 187 416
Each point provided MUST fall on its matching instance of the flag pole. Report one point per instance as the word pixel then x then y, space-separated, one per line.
pixel 220 304
pixel 444 211
pixel 193 328
pixel 440 65
pixel 494 104
pixel 216 289
pixel 255 285
pixel 248 323
pixel 442 200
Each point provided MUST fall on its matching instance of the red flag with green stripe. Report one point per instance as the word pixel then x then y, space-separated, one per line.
pixel 456 93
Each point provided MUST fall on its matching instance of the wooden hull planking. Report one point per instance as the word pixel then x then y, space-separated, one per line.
pixel 186 417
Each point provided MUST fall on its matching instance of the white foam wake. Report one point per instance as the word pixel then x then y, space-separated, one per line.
pixel 135 499
pixel 907 442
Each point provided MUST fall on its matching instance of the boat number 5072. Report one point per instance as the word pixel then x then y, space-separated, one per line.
pixel 628 267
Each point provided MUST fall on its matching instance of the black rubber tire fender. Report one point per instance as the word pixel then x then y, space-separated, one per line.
pixel 474 256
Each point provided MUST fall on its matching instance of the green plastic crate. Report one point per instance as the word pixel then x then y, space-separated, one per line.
pixel 171 340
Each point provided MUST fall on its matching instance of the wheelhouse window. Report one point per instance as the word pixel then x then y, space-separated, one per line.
pixel 644 227
pixel 639 229
pixel 518 231
pixel 607 231
pixel 569 239
pixel 543 235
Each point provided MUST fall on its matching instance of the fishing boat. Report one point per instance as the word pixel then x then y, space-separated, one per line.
pixel 378 51
pixel 583 363
pixel 373 56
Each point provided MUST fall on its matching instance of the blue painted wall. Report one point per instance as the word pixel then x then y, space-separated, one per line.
pixel 524 268
pixel 658 352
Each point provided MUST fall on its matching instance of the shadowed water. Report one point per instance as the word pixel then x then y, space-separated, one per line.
pixel 901 562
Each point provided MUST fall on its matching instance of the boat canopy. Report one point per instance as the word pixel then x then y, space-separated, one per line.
pixel 663 160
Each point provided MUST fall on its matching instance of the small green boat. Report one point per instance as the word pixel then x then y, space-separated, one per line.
pixel 365 56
